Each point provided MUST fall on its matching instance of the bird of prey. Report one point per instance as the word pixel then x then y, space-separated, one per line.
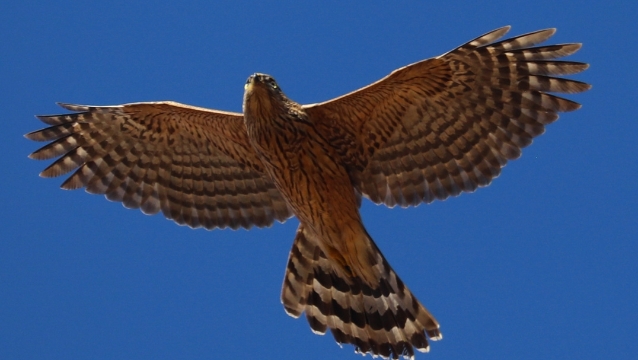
pixel 427 131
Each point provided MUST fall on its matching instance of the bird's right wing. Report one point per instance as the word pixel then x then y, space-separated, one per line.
pixel 194 164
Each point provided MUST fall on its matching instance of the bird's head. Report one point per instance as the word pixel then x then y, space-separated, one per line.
pixel 261 93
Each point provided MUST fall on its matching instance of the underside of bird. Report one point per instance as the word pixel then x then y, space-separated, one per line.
pixel 426 132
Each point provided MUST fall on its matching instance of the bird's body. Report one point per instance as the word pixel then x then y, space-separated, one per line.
pixel 427 131
pixel 305 169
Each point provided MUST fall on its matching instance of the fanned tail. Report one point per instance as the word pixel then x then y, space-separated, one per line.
pixel 386 320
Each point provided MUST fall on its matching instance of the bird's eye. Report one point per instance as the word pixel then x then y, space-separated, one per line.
pixel 273 84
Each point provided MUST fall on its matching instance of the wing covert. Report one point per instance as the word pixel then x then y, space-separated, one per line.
pixel 193 164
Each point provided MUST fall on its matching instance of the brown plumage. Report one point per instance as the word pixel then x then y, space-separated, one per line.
pixel 427 131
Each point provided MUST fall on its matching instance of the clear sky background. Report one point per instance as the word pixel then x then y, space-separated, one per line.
pixel 541 264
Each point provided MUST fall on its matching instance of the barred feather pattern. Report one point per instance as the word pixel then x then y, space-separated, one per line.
pixel 448 125
pixel 189 163
pixel 427 131
pixel 387 320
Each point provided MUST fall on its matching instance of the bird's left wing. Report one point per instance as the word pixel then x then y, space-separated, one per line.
pixel 448 124
pixel 194 164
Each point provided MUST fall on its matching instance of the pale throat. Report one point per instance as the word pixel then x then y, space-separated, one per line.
pixel 258 105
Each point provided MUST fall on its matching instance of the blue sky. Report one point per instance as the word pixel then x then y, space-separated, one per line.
pixel 543 263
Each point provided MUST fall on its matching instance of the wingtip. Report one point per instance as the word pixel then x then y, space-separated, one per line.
pixel 72 107
pixel 546 33
pixel 57 119
pixel 495 34
pixel 502 30
pixel 573 47
pixel 50 119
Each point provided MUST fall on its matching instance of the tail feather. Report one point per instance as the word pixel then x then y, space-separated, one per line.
pixel 385 320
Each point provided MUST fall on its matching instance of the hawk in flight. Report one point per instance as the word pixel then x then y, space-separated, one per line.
pixel 427 131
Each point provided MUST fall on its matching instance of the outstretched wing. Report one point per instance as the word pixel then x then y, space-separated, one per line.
pixel 446 125
pixel 195 165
